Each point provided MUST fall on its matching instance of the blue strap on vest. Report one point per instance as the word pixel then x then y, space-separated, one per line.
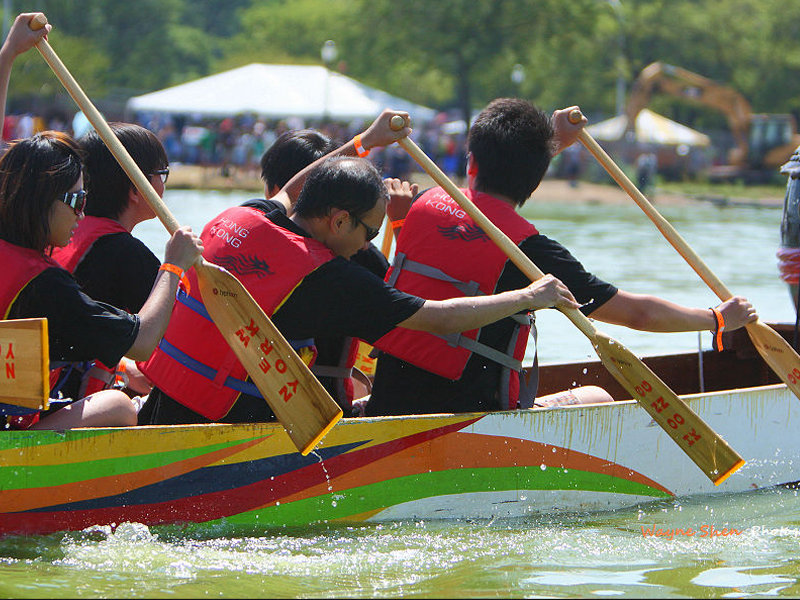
pixel 210 373
pixel 246 387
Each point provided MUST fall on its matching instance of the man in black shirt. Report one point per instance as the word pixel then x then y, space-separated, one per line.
pixel 511 144
pixel 291 152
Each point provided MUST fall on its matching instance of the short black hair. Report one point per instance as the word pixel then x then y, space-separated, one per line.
pixel 352 184
pixel 106 184
pixel 292 152
pixel 512 142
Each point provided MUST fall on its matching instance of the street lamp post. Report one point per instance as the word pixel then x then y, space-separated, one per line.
pixel 518 76
pixel 328 54
pixel 617 7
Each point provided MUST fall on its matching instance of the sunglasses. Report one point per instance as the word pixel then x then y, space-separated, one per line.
pixel 76 201
pixel 372 232
pixel 163 173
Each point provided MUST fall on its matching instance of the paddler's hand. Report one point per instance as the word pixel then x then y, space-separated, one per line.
pixel 183 248
pixel 21 37
pixel 380 133
pixel 401 194
pixel 549 292
pixel 566 132
pixel 737 312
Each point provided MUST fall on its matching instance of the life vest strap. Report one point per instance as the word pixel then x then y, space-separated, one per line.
pixel 200 309
pixel 401 261
pixel 476 347
pixel 206 371
pixel 337 372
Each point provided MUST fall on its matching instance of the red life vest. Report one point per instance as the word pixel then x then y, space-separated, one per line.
pixel 89 230
pixel 22 265
pixel 441 253
pixel 96 375
pixel 193 364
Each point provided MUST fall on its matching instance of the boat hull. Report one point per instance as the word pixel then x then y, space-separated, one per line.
pixel 481 465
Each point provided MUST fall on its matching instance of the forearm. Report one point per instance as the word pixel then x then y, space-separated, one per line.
pixel 154 316
pixel 6 62
pixel 463 314
pixel 649 313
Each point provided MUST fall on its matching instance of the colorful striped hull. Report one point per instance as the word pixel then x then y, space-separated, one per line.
pixel 429 467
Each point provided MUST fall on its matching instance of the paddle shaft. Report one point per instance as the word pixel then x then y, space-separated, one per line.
pixel 775 351
pixel 388 234
pixel 310 415
pixel 97 120
pixel 660 222
pixel 701 443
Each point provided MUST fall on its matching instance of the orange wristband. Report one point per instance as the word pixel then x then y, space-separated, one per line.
pixel 398 224
pixel 360 150
pixel 718 327
pixel 179 272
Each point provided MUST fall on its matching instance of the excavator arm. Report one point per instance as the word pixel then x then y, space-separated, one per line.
pixel 662 78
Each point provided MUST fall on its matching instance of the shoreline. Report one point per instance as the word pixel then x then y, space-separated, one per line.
pixel 555 190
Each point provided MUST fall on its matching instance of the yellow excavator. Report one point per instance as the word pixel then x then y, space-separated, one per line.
pixel 764 142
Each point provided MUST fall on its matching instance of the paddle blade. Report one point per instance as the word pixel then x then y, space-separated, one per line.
pixel 301 404
pixel 777 353
pixel 24 349
pixel 703 445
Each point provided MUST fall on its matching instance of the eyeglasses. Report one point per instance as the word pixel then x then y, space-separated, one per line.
pixel 76 201
pixel 163 173
pixel 372 232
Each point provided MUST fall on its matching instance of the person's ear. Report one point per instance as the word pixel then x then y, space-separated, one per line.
pixel 134 197
pixel 338 218
pixel 472 165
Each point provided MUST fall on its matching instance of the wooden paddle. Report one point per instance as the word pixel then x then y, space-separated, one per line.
pixel 25 363
pixel 388 236
pixel 296 397
pixel 701 443
pixel 776 351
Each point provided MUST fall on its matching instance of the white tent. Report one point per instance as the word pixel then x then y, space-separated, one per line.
pixel 276 91
pixel 650 128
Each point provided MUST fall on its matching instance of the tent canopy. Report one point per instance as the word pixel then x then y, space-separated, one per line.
pixel 651 128
pixel 277 91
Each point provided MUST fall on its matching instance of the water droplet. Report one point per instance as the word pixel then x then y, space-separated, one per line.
pixel 543 466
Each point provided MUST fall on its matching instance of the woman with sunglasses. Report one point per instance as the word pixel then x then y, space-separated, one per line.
pixel 41 202
pixel 107 261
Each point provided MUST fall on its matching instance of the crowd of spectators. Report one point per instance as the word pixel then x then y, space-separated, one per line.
pixel 234 145
pixel 237 143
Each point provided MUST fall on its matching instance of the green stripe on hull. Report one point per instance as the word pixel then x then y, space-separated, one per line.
pixel 42 476
pixel 382 495
pixel 16 440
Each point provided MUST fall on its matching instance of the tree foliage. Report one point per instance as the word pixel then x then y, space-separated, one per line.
pixel 442 53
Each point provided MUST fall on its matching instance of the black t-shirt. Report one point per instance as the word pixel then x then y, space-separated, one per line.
pixel 119 270
pixel 330 349
pixel 401 388
pixel 338 299
pixel 79 328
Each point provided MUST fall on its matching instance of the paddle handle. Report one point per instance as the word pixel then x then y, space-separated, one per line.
pixel 517 256
pixel 388 234
pixel 99 123
pixel 673 237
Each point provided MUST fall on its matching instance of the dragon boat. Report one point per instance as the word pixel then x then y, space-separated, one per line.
pixel 443 466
